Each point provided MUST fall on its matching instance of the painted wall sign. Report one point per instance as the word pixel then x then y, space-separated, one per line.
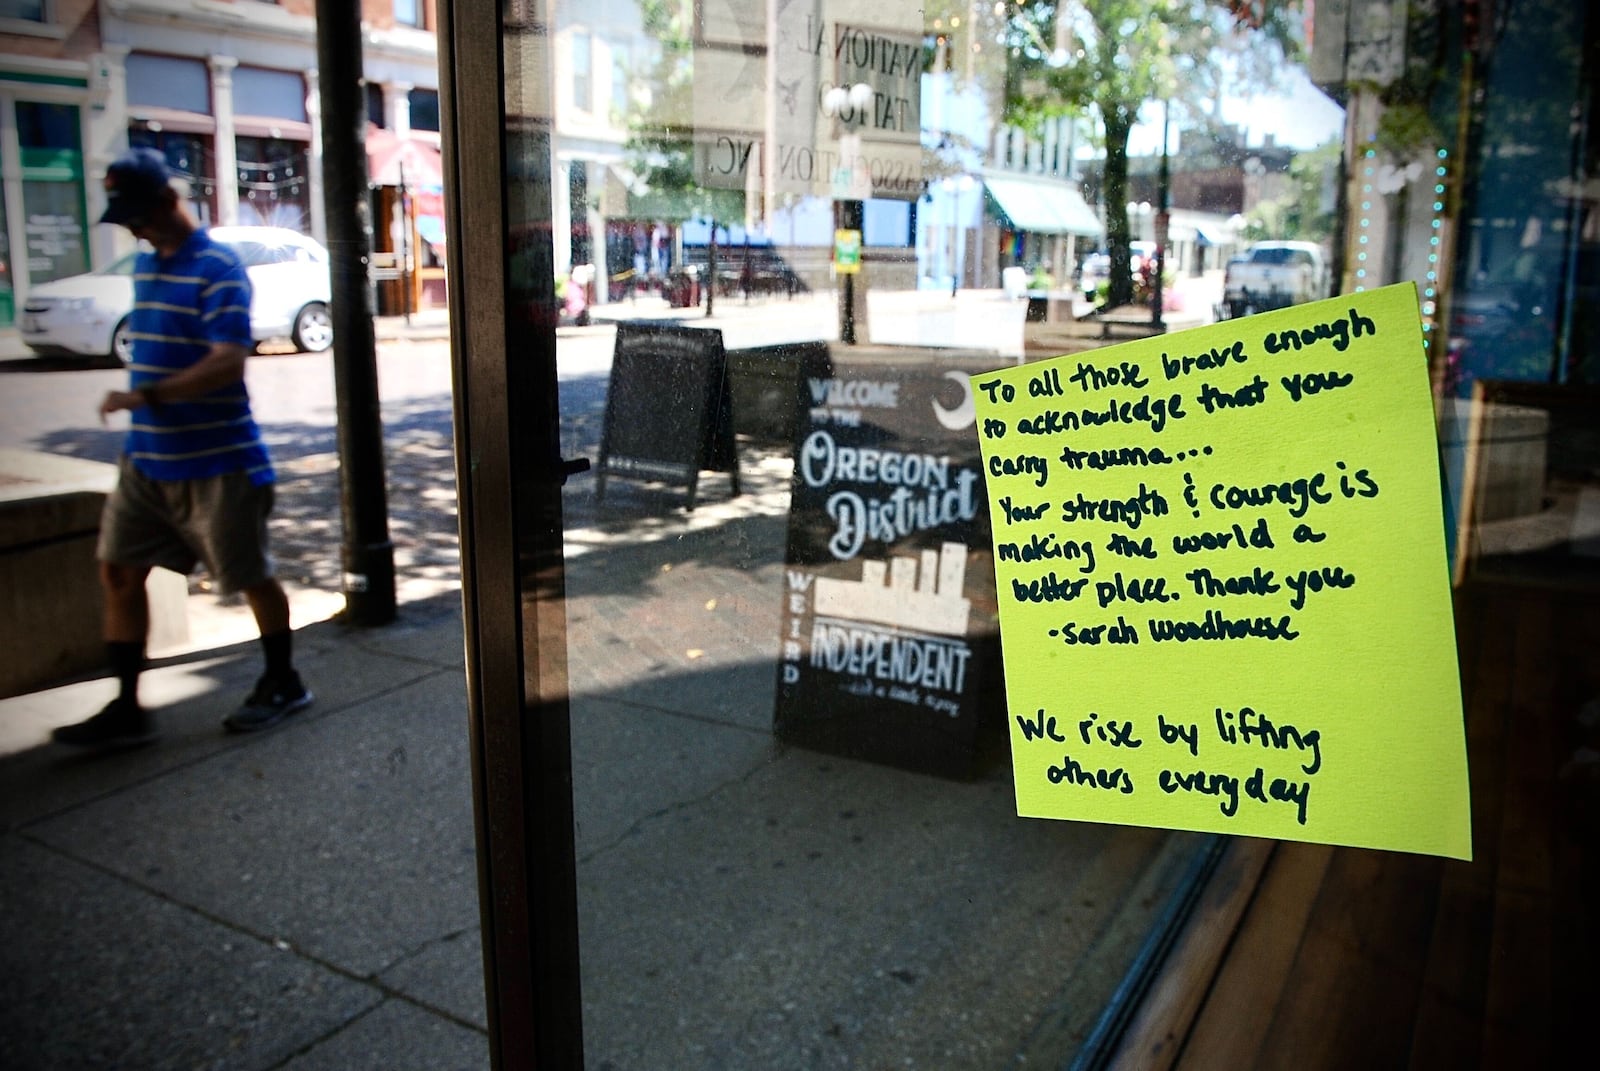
pixel 1224 594
pixel 889 630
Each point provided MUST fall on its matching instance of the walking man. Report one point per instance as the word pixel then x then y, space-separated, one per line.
pixel 195 483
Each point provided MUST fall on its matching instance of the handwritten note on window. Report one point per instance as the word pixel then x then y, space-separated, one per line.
pixel 1224 599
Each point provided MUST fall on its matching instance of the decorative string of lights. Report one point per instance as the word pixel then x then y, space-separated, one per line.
pixel 1386 179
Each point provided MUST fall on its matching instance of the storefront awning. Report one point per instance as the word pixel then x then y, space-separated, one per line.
pixel 1042 206
pixel 393 161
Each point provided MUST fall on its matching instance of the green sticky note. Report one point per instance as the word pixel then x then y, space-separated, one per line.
pixel 1224 595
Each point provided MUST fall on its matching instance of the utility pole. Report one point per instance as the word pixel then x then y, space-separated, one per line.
pixel 367 554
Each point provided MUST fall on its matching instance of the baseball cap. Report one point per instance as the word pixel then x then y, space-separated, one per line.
pixel 136 182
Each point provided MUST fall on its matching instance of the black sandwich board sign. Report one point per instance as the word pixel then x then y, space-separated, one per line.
pixel 669 411
pixel 889 649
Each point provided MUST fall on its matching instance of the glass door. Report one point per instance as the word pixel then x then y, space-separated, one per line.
pixel 723 268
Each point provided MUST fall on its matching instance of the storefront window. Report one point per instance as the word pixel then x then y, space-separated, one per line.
pixel 424 109
pixel 25 10
pixel 273 187
pixel 52 190
pixel 741 722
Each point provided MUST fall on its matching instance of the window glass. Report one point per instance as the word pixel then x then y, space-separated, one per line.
pixel 796 840
pixel 52 189
pixel 424 109
pixel 765 276
pixel 582 69
pixel 169 82
pixel 273 186
pixel 263 92
pixel 26 10
pixel 374 97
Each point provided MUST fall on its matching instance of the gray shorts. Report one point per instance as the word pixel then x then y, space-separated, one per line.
pixel 175 524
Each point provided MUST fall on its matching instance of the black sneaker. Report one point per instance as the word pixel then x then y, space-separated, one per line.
pixel 123 723
pixel 271 702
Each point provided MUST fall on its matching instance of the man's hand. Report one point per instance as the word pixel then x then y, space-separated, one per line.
pixel 118 400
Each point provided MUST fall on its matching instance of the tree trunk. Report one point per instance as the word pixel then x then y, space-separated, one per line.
pixel 1119 123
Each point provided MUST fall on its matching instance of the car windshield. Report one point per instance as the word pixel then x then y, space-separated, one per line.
pixel 1279 255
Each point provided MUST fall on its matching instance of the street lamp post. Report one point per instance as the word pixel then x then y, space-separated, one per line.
pixel 849 211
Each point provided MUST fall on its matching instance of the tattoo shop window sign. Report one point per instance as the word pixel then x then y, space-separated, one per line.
pixel 1223 588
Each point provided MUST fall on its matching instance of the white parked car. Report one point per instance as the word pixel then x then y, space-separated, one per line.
pixel 88 314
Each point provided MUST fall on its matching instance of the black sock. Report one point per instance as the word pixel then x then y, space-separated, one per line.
pixel 279 647
pixel 127 662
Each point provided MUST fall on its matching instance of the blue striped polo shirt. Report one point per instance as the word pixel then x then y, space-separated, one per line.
pixel 182 305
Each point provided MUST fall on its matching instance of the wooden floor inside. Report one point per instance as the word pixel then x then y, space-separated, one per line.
pixel 1304 956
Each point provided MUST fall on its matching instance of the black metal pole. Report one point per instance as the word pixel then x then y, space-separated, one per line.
pixel 850 213
pixel 368 555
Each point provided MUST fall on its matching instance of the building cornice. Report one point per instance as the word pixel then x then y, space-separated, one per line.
pixel 269 22
pixel 19 63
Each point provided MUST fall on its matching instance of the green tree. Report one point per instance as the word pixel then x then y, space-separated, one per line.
pixel 661 134
pixel 1114 56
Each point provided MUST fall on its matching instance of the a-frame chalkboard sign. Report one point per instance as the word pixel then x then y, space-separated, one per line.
pixel 669 409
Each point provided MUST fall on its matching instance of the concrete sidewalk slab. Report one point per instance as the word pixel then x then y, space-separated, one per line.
pixel 349 838
pixel 397 1036
pixel 189 696
pixel 272 900
pixel 100 972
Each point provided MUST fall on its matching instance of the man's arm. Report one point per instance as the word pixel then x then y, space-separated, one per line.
pixel 222 365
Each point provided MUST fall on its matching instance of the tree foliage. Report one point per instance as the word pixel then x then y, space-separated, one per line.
pixel 661 133
pixel 1067 57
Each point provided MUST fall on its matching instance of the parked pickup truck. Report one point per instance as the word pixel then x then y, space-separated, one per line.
pixel 1272 275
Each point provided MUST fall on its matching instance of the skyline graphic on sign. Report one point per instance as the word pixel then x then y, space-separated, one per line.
pixel 923 594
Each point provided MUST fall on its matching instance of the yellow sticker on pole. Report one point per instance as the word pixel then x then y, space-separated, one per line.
pixel 1224 597
pixel 847 252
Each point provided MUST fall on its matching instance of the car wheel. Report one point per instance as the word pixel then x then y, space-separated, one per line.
pixel 121 343
pixel 313 328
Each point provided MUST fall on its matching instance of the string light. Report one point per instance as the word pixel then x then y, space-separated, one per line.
pixel 1430 288
pixel 1366 222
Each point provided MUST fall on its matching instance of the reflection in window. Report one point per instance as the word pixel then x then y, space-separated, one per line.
pixel 424 109
pixel 22 10
pixel 374 96
pixel 621 81
pixel 582 70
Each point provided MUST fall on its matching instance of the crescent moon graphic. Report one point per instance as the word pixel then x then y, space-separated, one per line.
pixel 963 415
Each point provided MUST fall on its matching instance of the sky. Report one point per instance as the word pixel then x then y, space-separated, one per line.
pixel 1300 116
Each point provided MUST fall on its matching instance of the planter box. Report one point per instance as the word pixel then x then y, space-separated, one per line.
pixel 50 600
